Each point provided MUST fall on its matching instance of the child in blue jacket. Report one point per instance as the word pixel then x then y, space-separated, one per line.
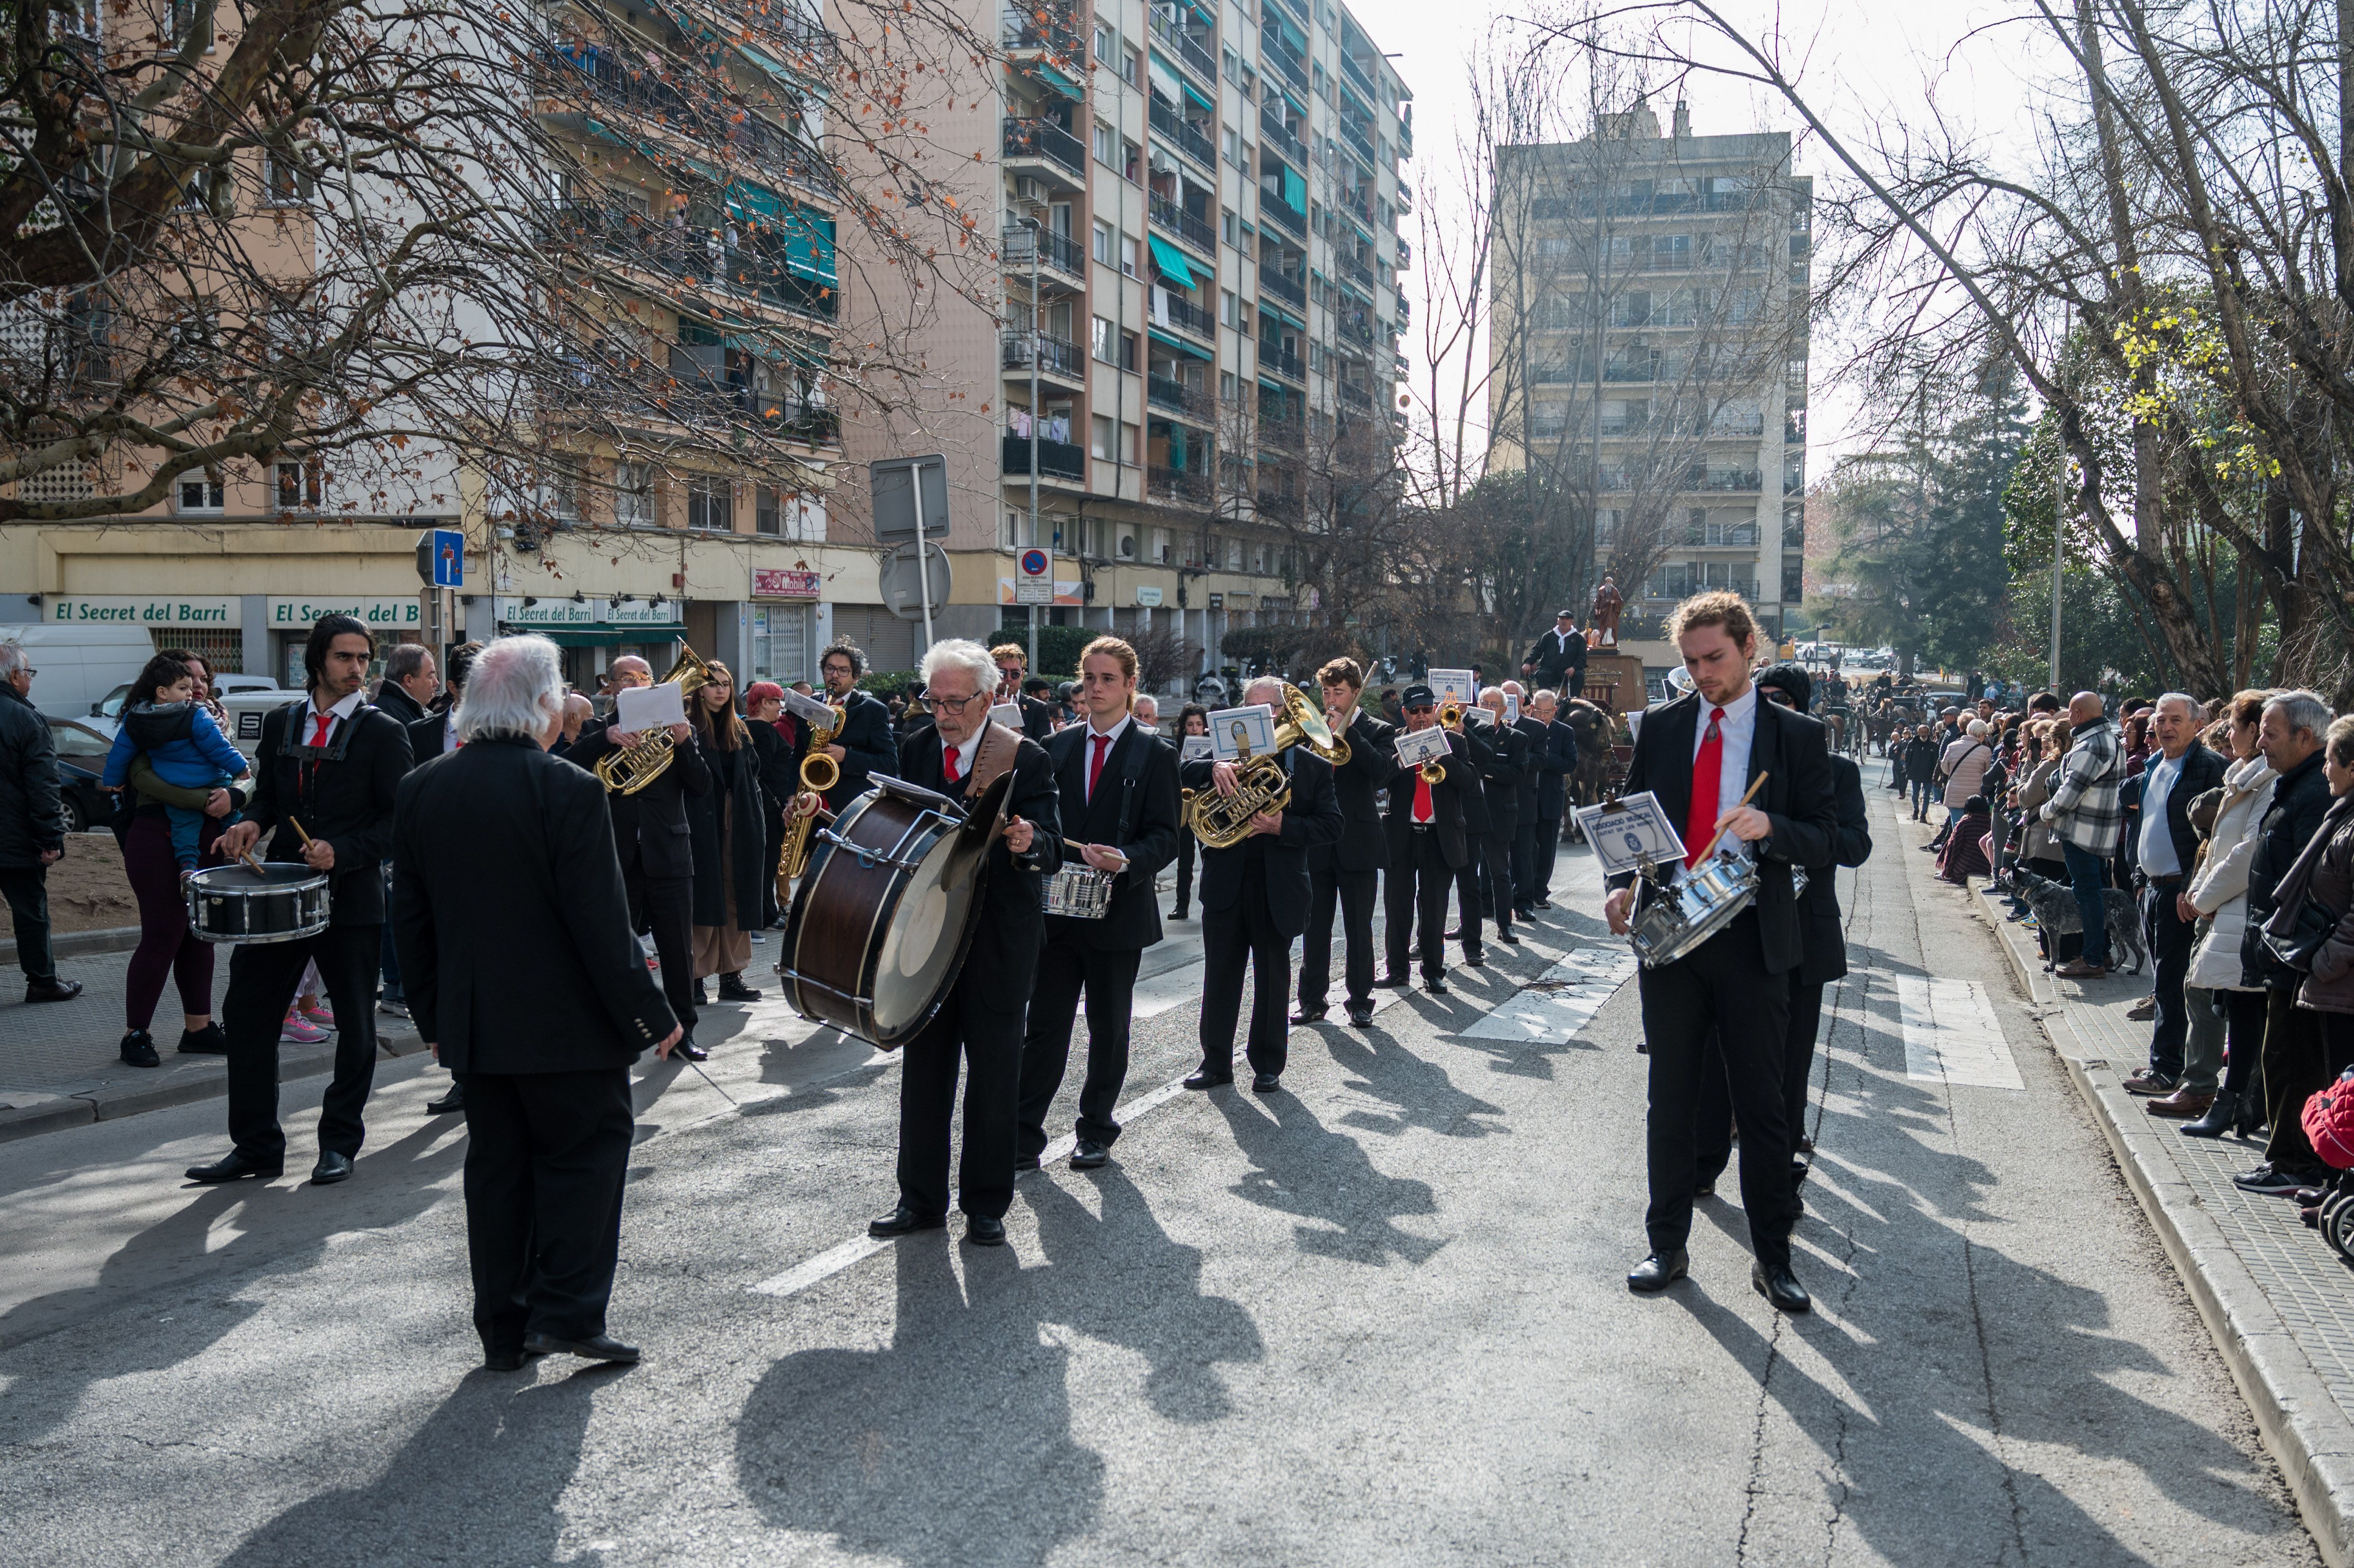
pixel 186 748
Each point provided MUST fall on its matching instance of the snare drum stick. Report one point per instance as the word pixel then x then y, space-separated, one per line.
pixel 1706 849
pixel 297 826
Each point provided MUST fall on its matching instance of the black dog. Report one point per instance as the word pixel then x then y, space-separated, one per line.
pixel 2054 904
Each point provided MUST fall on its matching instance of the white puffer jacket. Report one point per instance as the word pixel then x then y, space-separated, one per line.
pixel 2221 888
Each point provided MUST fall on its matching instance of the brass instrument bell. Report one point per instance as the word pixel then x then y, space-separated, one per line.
pixel 628 771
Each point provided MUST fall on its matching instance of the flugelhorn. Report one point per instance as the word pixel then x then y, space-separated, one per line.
pixel 628 771
pixel 1222 822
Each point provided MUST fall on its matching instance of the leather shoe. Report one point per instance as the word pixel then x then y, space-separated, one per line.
pixel 502 1361
pixel 1542 904
pixel 1437 987
pixel 332 1168
pixel 449 1104
pixel 52 990
pixel 1477 960
pixel 2077 969
pixel 1659 1271
pixel 595 1348
pixel 236 1167
pixel 1265 1083
pixel 1310 1015
pixel 1392 982
pixel 733 989
pixel 1090 1155
pixel 1704 1189
pixel 1506 937
pixel 1455 935
pixel 1774 1282
pixel 687 1048
pixel 1203 1079
pixel 903 1221
pixel 2182 1104
pixel 982 1231
pixel 1361 1015
pixel 1025 1162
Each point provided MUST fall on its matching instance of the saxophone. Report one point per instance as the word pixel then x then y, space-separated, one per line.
pixel 819 774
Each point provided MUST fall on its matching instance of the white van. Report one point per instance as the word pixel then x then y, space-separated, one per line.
pixel 80 665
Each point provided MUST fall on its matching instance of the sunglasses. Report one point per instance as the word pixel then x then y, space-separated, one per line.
pixel 1424 708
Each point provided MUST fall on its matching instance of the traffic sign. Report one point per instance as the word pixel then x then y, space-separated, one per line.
pixel 911 497
pixel 904 587
pixel 441 558
pixel 1034 581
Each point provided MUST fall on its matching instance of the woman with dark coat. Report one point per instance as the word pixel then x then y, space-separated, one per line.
pixel 2324 874
pixel 731 892
pixel 1192 719
pixel 776 740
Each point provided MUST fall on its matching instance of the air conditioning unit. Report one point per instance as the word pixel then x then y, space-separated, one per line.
pixel 1026 189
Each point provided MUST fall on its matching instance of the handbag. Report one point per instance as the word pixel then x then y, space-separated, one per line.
pixel 2295 947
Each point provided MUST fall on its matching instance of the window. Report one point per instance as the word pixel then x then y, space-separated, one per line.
pixel 1163 549
pixel 782 642
pixel 1128 444
pixel 767 510
pixel 1127 254
pixel 1106 43
pixel 1228 229
pixel 1226 307
pixel 1233 70
pixel 1104 342
pixel 301 485
pixel 198 495
pixel 1131 162
pixel 1131 67
pixel 633 494
pixel 1226 385
pixel 1103 245
pixel 711 503
pixel 1099 437
pixel 283 184
pixel 1106 145
pixel 1128 356
pixel 1230 142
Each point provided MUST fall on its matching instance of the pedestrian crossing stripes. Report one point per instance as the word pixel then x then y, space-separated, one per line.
pixel 1562 1000
pixel 1951 1034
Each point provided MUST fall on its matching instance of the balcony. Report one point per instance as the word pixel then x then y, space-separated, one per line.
pixel 1285 215
pixel 1354 397
pixel 1057 252
pixel 1359 142
pixel 1281 362
pixel 1273 50
pixel 1283 435
pixel 1275 505
pixel 1357 272
pixel 1190 230
pixel 1278 135
pixel 776 275
pixel 1186 317
pixel 1056 460
pixel 1056 357
pixel 1405 255
pixel 601 75
pixel 1286 289
pixel 1356 75
pixel 1057 35
pixel 1043 139
pixel 1163 392
pixel 1178 483
pixel 1168 126
pixel 1189 49
pixel 1728 478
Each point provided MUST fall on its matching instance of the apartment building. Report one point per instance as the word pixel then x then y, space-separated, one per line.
pixel 1200 209
pixel 1650 294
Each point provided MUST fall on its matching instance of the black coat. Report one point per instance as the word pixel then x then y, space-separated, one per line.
pixel 1916 761
pixel 1037 719
pixel 1536 767
pixel 865 739
pixel 503 868
pixel 394 699
pixel 1476 818
pixel 1446 808
pixel 650 830
pixel 1312 817
pixel 1137 816
pixel 1798 797
pixel 779 762
pixel 429 736
pixel 346 800
pixel 1013 908
pixel 2300 800
pixel 1819 910
pixel 1561 761
pixel 1554 656
pixel 2201 770
pixel 32 812
pixel 735 779
pixel 1363 845
pixel 1501 773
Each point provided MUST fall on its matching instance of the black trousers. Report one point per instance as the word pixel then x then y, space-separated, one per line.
pixel 1524 865
pixel 1186 847
pixel 547 1157
pixel 26 889
pixel 1067 965
pixel 1492 853
pixel 1353 890
pixel 979 1028
pixel 2296 1064
pixel 261 980
pixel 1245 934
pixel 1548 852
pixel 1723 989
pixel 664 907
pixel 773 814
pixel 1413 906
pixel 1715 1137
pixel 2169 938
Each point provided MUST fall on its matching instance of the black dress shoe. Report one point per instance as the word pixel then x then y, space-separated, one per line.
pixel 449 1104
pixel 332 1168
pixel 1542 904
pixel 502 1361
pixel 52 990
pixel 206 1041
pixel 1310 1015
pixel 1659 1271
pixel 903 1221
pixel 1025 1162
pixel 1265 1083
pixel 1361 1015
pixel 1392 982
pixel 1477 960
pixel 702 996
pixel 234 1167
pixel 733 989
pixel 982 1231
pixel 595 1348
pixel 687 1048
pixel 1778 1285
pixel 1090 1155
pixel 139 1049
pixel 1455 935
pixel 1704 1190
pixel 1507 938
pixel 1203 1079
pixel 1437 987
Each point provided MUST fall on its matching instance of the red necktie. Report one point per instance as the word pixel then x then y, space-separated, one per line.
pixel 948 764
pixel 1708 772
pixel 1095 769
pixel 1423 809
pixel 319 741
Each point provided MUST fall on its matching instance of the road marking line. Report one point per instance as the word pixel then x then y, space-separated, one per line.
pixel 1559 1003
pixel 1951 1034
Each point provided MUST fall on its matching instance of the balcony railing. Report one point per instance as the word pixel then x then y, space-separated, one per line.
pixel 697 256
pixel 1281 361
pixel 1163 392
pixel 1170 126
pixel 1273 50
pixel 620 385
pixel 1283 288
pixel 1189 49
pixel 1356 74
pixel 1286 214
pixel 1179 483
pixel 1057 34
pixel 1355 397
pixel 1276 505
pixel 1055 356
pixel 1186 317
pixel 1167 215
pixel 1283 435
pixel 1733 479
pixel 1045 139
pixel 1058 251
pixel 1273 131
pixel 1357 141
pixel 1357 272
pixel 607 78
pixel 1060 459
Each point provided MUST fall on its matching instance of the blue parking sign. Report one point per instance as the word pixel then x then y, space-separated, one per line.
pixel 449 558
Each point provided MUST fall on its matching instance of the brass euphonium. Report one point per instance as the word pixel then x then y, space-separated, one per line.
pixel 627 772
pixel 820 773
pixel 1222 822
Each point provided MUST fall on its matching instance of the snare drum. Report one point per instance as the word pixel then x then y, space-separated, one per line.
pixel 1699 903
pixel 235 904
pixel 1079 893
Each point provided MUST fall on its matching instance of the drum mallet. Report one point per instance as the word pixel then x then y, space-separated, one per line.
pixel 1707 849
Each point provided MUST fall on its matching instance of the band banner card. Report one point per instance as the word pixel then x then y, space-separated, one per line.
pixel 1417 746
pixel 1007 714
pixel 1235 733
pixel 1197 747
pixel 640 708
pixel 803 707
pixel 1455 686
pixel 1629 832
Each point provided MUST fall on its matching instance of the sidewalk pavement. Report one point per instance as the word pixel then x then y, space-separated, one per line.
pixel 2278 1302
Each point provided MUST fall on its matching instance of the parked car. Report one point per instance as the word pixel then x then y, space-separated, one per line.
pixel 81 758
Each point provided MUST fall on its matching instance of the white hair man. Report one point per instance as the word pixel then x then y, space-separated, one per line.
pixel 32 826
pixel 500 856
pixel 2162 850
pixel 1258 890
pixel 1148 712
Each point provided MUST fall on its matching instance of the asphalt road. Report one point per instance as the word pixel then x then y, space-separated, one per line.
pixel 1378 1317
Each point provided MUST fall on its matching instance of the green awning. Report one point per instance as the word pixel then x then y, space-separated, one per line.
pixel 1195 94
pixel 1269 306
pixel 1171 340
pixel 1202 8
pixel 1047 76
pixel 1298 108
pixel 1170 261
pixel 1295 189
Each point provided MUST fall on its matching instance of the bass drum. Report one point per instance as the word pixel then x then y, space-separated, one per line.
pixel 883 915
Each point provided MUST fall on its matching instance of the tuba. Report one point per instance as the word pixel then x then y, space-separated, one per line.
pixel 1222 822
pixel 627 772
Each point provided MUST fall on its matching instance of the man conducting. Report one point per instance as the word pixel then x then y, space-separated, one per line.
pixel 1346 872
pixel 504 866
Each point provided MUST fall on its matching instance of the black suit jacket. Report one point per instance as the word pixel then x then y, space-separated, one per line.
pixel 1312 818
pixel 504 866
pixel 1037 719
pixel 651 833
pixel 1013 904
pixel 865 739
pixel 1446 808
pixel 1554 655
pixel 1363 845
pixel 1798 797
pixel 394 699
pixel 347 800
pixel 1137 816
pixel 1819 910
pixel 1500 772
pixel 429 736
pixel 1473 782
pixel 1561 761
pixel 1536 767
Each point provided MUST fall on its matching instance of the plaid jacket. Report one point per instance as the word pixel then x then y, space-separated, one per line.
pixel 2084 809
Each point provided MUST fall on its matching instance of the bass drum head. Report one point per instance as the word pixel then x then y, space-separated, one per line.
pixel 920 948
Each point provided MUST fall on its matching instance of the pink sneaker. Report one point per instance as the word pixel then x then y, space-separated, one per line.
pixel 318 1012
pixel 300 1030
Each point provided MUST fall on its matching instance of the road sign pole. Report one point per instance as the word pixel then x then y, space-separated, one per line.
pixel 923 562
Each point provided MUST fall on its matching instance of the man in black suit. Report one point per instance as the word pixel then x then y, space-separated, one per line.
pixel 1558 658
pixel 862 746
pixel 656 846
pixel 1699 754
pixel 979 1025
pixel 1253 902
pixel 1501 773
pixel 411 683
pixel 429 738
pixel 332 763
pixel 505 865
pixel 1037 718
pixel 1560 744
pixel 1478 823
pixel 1347 872
pixel 1117 784
pixel 1537 767
pixel 1427 846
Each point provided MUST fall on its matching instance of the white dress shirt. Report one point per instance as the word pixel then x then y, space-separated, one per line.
pixel 1737 729
pixel 2159 777
pixel 964 753
pixel 1111 734
pixel 334 715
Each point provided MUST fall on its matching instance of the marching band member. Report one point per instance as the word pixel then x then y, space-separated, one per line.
pixel 1348 870
pixel 332 763
pixel 1503 776
pixel 1037 718
pixel 1427 846
pixel 1117 782
pixel 1699 754
pixel 1541 769
pixel 1477 825
pixel 862 746
pixel 979 1025
pixel 1258 891
pixel 1553 791
pixel 1192 719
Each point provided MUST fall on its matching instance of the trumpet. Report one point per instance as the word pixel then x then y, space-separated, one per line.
pixel 1450 716
pixel 627 772
pixel 819 774
pixel 1222 822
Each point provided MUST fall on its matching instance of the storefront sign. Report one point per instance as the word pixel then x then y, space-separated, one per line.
pixel 1150 598
pixel 639 611
pixel 785 582
pixel 135 610
pixel 549 611
pixel 376 614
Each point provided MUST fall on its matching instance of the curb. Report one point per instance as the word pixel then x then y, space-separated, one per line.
pixel 2309 1436
pixel 112 1102
pixel 81 944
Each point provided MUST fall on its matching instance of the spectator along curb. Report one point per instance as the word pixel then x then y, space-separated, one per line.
pixel 25 1114
pixel 2308 1432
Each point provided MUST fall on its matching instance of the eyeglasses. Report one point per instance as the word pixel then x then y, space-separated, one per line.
pixel 1424 708
pixel 954 705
